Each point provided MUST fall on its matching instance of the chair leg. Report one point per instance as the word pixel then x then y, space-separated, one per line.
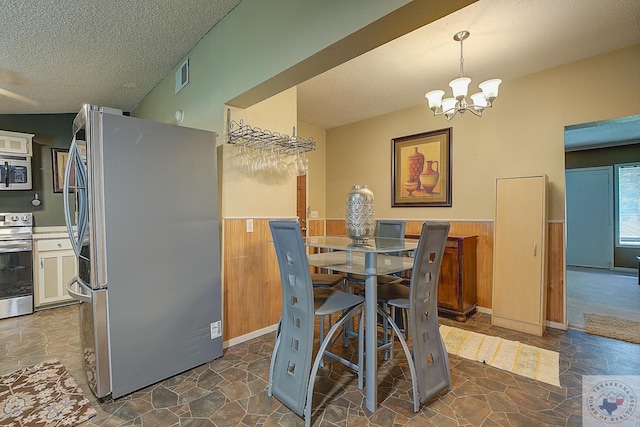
pixel 321 319
pixel 446 360
pixel 361 351
pixel 412 368
pixel 395 312
pixel 347 327
pixel 348 314
pixel 388 354
pixel 405 314
pixel 273 359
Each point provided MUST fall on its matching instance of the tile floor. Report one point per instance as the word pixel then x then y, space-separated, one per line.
pixel 231 391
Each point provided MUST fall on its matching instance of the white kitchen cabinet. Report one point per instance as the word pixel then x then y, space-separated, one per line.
pixel 519 254
pixel 16 143
pixel 55 264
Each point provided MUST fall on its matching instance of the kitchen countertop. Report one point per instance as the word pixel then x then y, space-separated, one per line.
pixel 57 232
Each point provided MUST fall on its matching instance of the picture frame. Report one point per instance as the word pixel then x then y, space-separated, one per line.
pixel 59 158
pixel 421 169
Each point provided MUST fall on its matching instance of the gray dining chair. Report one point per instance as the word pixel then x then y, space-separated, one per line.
pixel 428 361
pixel 325 281
pixel 291 373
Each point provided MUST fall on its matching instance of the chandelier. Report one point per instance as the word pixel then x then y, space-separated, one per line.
pixel 449 107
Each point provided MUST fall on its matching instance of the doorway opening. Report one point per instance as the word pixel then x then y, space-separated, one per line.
pixel 601 277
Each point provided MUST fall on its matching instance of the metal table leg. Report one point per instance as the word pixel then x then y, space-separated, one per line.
pixel 371 327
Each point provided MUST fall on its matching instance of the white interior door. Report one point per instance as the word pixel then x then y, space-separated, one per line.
pixel 589 194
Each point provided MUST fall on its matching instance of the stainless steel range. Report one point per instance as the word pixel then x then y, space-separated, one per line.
pixel 16 264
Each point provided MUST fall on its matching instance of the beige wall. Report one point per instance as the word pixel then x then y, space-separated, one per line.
pixel 250 196
pixel 317 176
pixel 522 135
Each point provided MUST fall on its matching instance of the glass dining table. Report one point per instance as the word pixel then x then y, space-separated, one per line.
pixel 378 256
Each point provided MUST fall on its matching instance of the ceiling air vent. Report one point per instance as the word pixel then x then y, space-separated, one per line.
pixel 182 75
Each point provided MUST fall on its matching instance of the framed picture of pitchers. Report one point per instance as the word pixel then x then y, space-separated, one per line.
pixel 421 169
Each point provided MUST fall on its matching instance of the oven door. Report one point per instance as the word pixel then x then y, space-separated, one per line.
pixel 16 278
pixel 15 172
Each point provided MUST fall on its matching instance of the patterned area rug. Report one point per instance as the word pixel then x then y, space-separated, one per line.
pixel 513 356
pixel 612 327
pixel 42 395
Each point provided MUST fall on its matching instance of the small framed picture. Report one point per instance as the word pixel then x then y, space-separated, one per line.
pixel 59 158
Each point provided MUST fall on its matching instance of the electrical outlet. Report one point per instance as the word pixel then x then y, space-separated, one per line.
pixel 216 329
pixel 249 225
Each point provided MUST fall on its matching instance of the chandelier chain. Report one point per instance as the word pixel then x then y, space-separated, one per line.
pixel 461 58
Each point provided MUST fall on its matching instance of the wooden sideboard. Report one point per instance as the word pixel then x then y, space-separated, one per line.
pixel 457 287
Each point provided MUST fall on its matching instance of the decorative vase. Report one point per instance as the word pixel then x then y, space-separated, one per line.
pixel 360 217
pixel 429 178
pixel 411 186
pixel 416 165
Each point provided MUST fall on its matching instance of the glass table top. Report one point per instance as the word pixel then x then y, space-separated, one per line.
pixel 355 263
pixel 378 244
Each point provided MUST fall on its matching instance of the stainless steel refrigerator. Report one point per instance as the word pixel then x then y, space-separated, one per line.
pixel 141 208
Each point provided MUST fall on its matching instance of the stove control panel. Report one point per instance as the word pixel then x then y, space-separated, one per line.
pixel 16 219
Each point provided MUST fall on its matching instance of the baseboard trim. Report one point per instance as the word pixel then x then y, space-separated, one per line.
pixel 625 270
pixel 249 336
pixel 556 325
pixel 548 323
pixel 484 310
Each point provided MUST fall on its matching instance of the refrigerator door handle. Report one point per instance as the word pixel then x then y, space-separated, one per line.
pixel 65 198
pixel 72 160
pixel 80 296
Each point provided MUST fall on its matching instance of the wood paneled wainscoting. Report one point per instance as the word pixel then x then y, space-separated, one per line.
pixel 251 279
pixel 556 272
pixel 252 299
pixel 484 231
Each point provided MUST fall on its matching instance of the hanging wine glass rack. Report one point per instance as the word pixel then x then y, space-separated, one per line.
pixel 252 137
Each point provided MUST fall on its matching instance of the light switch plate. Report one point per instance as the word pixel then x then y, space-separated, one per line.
pixel 249 225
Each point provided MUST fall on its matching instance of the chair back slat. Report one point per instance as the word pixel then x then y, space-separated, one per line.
pixel 389 229
pixel 430 358
pixel 293 360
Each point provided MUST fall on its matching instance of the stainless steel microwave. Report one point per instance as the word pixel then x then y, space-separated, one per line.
pixel 15 172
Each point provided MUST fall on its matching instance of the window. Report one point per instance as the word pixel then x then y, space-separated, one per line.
pixel 628 204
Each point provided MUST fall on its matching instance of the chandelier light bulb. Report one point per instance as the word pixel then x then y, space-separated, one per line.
pixel 448 105
pixel 480 101
pixel 490 88
pixel 460 87
pixel 435 98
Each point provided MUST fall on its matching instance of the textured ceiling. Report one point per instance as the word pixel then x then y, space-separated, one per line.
pixel 66 53
pixel 509 39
